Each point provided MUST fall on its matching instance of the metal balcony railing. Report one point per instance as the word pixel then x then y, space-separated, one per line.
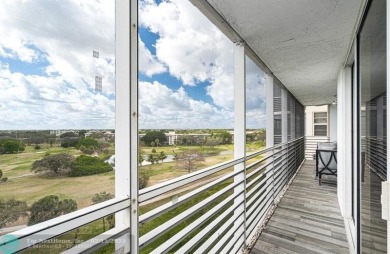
pixel 376 150
pixel 221 222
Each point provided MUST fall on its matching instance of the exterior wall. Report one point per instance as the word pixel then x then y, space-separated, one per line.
pixel 332 122
pixel 311 141
pixel 344 153
pixel 309 112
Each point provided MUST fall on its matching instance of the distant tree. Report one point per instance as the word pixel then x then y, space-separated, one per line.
pixel 57 163
pixel 140 157
pixel 154 150
pixel 86 165
pixel 189 160
pixel 157 142
pixel 96 135
pixel 69 134
pixel 51 141
pixel 162 156
pixel 151 136
pixel 70 142
pixel 225 137
pixel 50 207
pixel 152 143
pixel 182 140
pixel 1 173
pixel 88 143
pixel 260 136
pixel 143 179
pixel 86 150
pixel 82 133
pixel 152 158
pixel 37 147
pixel 101 197
pixel 103 145
pixel 11 210
pixel 212 142
pixel 2 150
pixel 12 145
pixel 36 140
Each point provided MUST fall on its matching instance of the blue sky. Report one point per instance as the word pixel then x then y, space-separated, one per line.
pixel 47 73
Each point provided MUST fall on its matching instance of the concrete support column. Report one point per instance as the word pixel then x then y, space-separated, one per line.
pixel 379 117
pixel 284 115
pixel 126 129
pixel 269 84
pixel 292 119
pixel 239 137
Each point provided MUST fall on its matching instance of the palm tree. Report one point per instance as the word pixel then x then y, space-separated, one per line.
pixel 151 158
pixel 162 156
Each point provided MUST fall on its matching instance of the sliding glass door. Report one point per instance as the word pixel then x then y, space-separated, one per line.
pixel 371 131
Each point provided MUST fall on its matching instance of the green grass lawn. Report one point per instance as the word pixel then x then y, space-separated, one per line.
pixel 26 186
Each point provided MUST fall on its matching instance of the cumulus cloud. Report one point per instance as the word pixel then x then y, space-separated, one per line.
pixel 195 51
pixel 255 96
pixel 58 37
pixel 191 47
pixel 163 107
pixel 147 62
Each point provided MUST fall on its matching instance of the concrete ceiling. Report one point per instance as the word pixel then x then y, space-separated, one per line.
pixel 303 42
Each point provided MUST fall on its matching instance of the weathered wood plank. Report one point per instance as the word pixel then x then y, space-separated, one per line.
pixel 307 220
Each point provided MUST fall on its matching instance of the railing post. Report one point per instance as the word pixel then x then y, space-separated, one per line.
pixel 123 119
pixel 134 215
pixel 239 138
pixel 273 175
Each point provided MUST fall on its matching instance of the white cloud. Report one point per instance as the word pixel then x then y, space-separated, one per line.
pixel 195 51
pixel 147 62
pixel 34 102
pixel 63 35
pixel 162 107
pixel 191 47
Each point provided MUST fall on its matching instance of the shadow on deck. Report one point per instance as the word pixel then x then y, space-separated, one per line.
pixel 307 220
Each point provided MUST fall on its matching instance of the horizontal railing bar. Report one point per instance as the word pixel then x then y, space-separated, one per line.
pixel 99 241
pixel 173 241
pixel 257 170
pixel 237 247
pixel 284 167
pixel 43 231
pixel 159 189
pixel 258 162
pixel 229 246
pixel 278 188
pixel 221 231
pixel 268 173
pixel 233 230
pixel 280 177
pixel 265 186
pixel 265 197
pixel 281 156
pixel 280 167
pixel 169 206
pixel 187 247
pixel 260 212
pixel 260 152
pixel 158 231
pixel 167 186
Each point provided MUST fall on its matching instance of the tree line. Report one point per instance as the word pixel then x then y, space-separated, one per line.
pixel 46 208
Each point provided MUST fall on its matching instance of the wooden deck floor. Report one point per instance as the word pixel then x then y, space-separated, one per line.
pixel 307 220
